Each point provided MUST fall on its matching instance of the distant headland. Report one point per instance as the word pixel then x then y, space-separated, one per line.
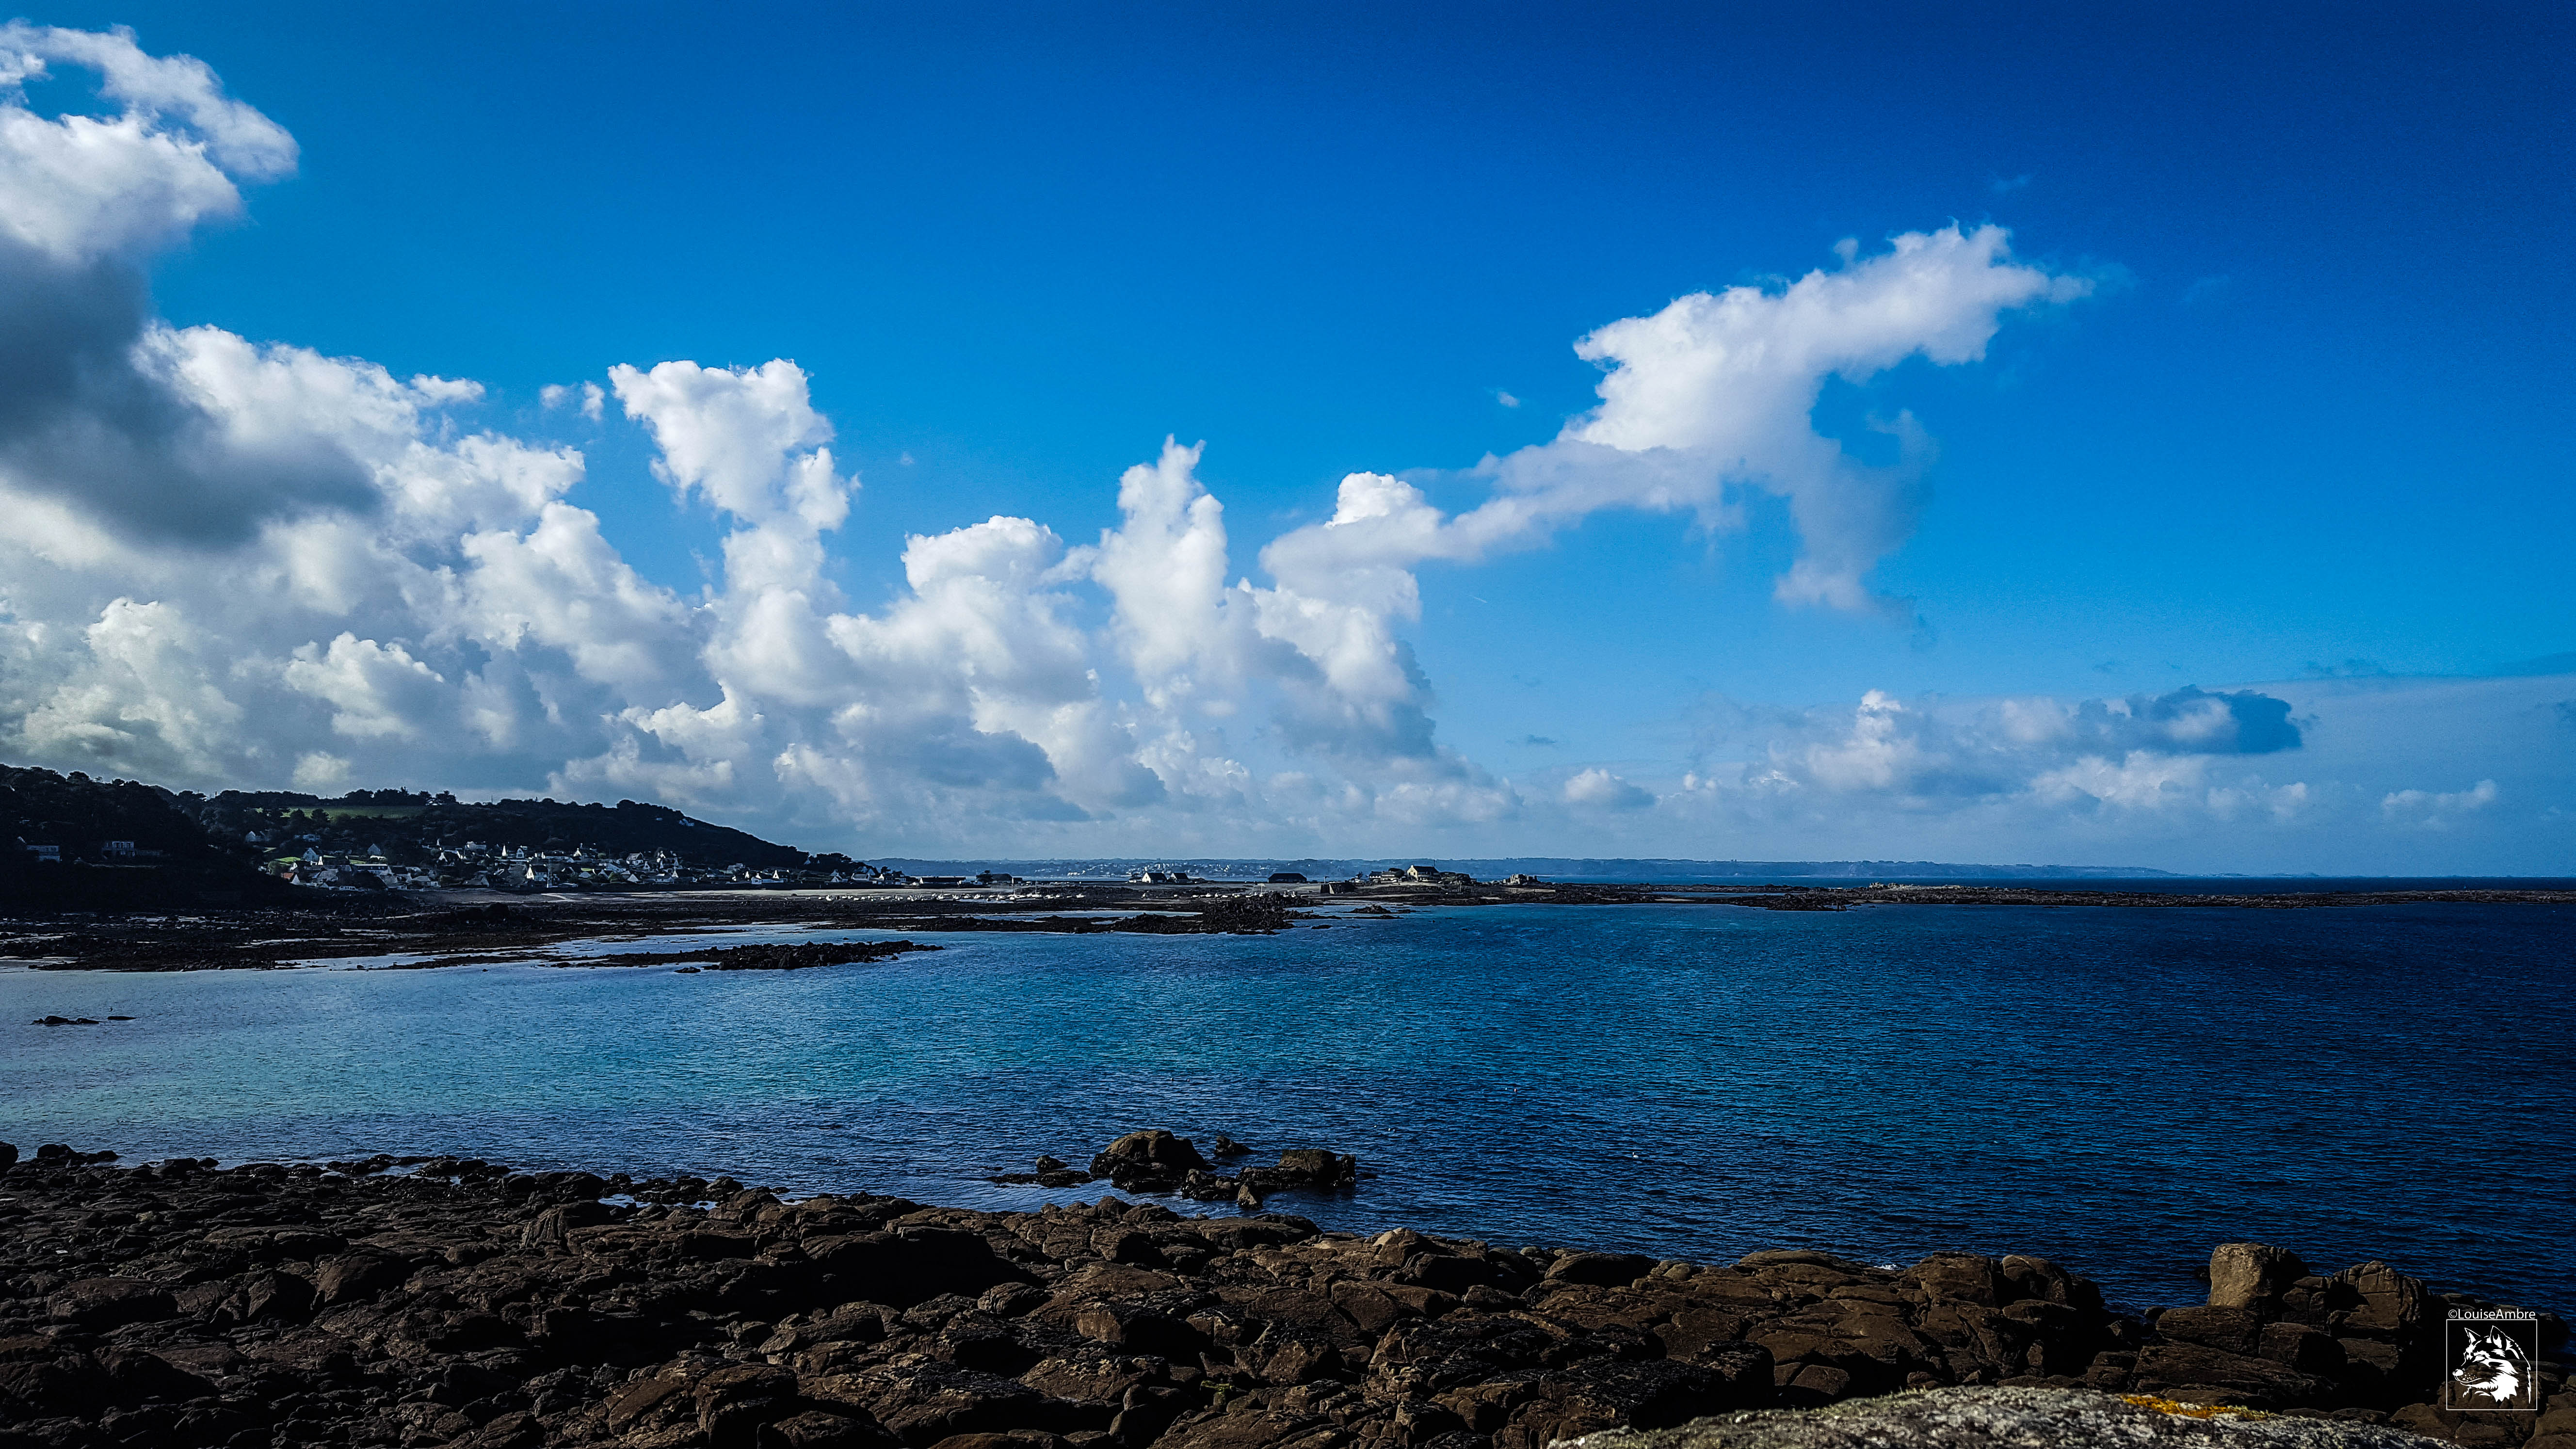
pixel 1553 867
pixel 88 841
pixel 73 842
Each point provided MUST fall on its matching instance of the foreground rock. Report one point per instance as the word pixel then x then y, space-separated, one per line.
pixel 1996 1418
pixel 467 1305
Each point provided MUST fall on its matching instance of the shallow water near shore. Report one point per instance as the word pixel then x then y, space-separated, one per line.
pixel 2116 1089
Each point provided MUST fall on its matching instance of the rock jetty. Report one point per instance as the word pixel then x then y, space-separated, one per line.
pixel 454 1302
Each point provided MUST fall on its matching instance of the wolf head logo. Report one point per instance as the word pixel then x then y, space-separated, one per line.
pixel 2494 1373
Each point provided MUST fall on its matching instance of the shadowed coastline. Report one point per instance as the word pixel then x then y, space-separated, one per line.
pixel 480 928
pixel 417 1302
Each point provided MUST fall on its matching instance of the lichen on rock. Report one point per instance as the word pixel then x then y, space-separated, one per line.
pixel 2005 1418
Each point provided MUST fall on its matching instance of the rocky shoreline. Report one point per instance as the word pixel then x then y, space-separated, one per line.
pixel 447 1302
pixel 521 932
pixel 448 929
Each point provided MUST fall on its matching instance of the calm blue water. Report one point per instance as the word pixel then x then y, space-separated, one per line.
pixel 2117 1089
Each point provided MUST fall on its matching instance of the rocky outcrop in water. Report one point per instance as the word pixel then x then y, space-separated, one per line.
pixel 805 956
pixel 1152 1161
pixel 464 1304
pixel 1157 1162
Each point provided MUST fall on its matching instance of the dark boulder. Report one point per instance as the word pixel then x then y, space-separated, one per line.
pixel 1423 1358
pixel 2387 1302
pixel 1256 1428
pixel 135 1374
pixel 2306 1349
pixel 1290 1354
pixel 572 1186
pixel 1138 1330
pixel 815 1429
pixel 264 1297
pixel 1315 1167
pixel 2232 1330
pixel 101 1303
pixel 354 1277
pixel 1147 1410
pixel 1959 1278
pixel 1609 1395
pixel 1603 1270
pixel 2060 1339
pixel 910 1267
pixel 1448 1273
pixel 457 1384
pixel 2252 1277
pixel 711 1246
pixel 2038 1278
pixel 41 1388
pixel 2372 1371
pixel 1203 1186
pixel 2198 1374
pixel 1302 1169
pixel 926 1403
pixel 648 1403
pixel 734 1402
pixel 549 1228
pixel 1149 1161
pixel 1742 1369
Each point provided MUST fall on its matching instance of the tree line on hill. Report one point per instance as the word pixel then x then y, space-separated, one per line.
pixel 72 841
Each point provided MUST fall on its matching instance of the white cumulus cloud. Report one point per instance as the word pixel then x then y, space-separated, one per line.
pixel 235 563
pixel 1601 790
pixel 2440 810
pixel 1716 393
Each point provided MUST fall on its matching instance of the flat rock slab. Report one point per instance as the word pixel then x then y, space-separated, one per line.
pixel 1989 1418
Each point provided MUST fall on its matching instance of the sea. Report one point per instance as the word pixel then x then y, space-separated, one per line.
pixel 2115 1089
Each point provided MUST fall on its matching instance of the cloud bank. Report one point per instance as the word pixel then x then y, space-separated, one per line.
pixel 243 563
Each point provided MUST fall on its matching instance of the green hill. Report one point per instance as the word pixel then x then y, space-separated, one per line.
pixel 68 841
pixel 71 842
pixel 414 827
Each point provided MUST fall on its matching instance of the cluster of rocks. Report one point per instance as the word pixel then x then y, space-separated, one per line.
pixel 548 1186
pixel 2274 1334
pixel 55 1154
pixel 460 1303
pixel 787 956
pixel 1259 914
pixel 1161 1163
pixel 800 957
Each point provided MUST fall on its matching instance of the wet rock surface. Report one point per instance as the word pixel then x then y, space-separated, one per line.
pixel 462 1303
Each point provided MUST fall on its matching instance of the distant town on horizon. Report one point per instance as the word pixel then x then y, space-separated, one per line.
pixel 420 840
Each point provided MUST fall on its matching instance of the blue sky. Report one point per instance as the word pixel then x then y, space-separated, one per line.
pixel 2281 395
